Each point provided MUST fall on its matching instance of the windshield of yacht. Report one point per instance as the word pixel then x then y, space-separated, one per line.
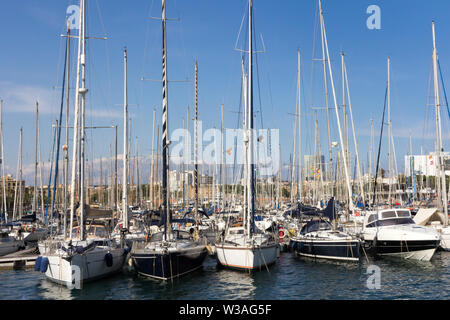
pixel 396 221
pixel 388 214
pixel 403 214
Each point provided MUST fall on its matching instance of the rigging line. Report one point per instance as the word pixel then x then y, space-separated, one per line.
pixel 443 89
pixel 240 28
pixel 379 148
pixel 313 53
pixel 59 132
pixel 108 63
pixel 147 31
pixel 257 74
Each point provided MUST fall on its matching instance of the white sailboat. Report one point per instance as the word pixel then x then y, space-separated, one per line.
pixel 444 229
pixel 89 253
pixel 244 247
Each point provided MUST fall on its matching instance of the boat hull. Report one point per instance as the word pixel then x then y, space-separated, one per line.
pixel 344 250
pixel 92 266
pixel 247 257
pixel 168 265
pixel 422 250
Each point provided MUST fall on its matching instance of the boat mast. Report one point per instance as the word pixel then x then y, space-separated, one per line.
pixel 349 190
pixel 83 92
pixel 165 129
pixel 34 209
pixel 152 192
pixel 389 130
pixel 439 146
pixel 324 61
pixel 66 149
pixel 125 146
pixel 196 143
pixel 80 62
pixel 361 181
pixel 3 163
pixel 300 171
pixel 250 164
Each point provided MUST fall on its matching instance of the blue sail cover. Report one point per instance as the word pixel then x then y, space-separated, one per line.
pixel 330 211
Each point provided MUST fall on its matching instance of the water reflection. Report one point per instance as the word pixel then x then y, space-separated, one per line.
pixel 53 291
pixel 289 279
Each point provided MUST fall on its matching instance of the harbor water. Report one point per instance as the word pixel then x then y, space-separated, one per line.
pixel 291 278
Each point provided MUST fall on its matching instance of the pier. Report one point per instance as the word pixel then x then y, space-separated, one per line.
pixel 20 259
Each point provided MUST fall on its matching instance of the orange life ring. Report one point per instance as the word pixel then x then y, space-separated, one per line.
pixel 357 214
pixel 281 233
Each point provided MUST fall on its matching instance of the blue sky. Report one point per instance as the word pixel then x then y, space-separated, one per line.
pixel 31 62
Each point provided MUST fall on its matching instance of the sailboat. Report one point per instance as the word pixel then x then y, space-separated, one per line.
pixel 318 238
pixel 442 228
pixel 245 247
pixel 171 253
pixel 89 253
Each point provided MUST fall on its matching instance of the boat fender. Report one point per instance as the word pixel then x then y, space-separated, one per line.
pixel 37 264
pixel 109 259
pixel 44 264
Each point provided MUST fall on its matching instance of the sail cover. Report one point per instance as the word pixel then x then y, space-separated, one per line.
pixel 424 216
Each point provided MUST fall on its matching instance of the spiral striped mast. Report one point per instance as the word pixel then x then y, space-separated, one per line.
pixel 196 140
pixel 165 127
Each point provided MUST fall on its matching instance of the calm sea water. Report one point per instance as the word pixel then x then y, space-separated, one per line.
pixel 291 278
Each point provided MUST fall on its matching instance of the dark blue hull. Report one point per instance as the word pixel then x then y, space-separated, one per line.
pixel 166 266
pixel 326 249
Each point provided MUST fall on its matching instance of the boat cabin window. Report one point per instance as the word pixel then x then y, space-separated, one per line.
pixel 239 231
pixel 396 221
pixel 403 214
pixel 388 214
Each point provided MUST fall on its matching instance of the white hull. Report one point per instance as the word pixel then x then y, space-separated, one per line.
pixel 422 255
pixel 243 257
pixel 92 265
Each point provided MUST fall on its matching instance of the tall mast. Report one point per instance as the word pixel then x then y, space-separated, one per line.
pixel 196 140
pixel 66 149
pixel 20 174
pixel 361 182
pixel 223 166
pixel 244 126
pixel 324 61
pixel 165 129
pixel 125 146
pixel 293 162
pixel 81 60
pixel 349 190
pixel 251 165
pixel 389 130
pixel 152 185
pixel 83 92
pixel 440 162
pixel 3 163
pixel 300 177
pixel 35 160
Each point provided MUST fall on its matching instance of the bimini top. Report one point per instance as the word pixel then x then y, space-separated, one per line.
pixel 388 217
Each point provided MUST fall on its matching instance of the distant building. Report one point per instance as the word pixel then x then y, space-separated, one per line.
pixel 10 183
pixel 425 164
